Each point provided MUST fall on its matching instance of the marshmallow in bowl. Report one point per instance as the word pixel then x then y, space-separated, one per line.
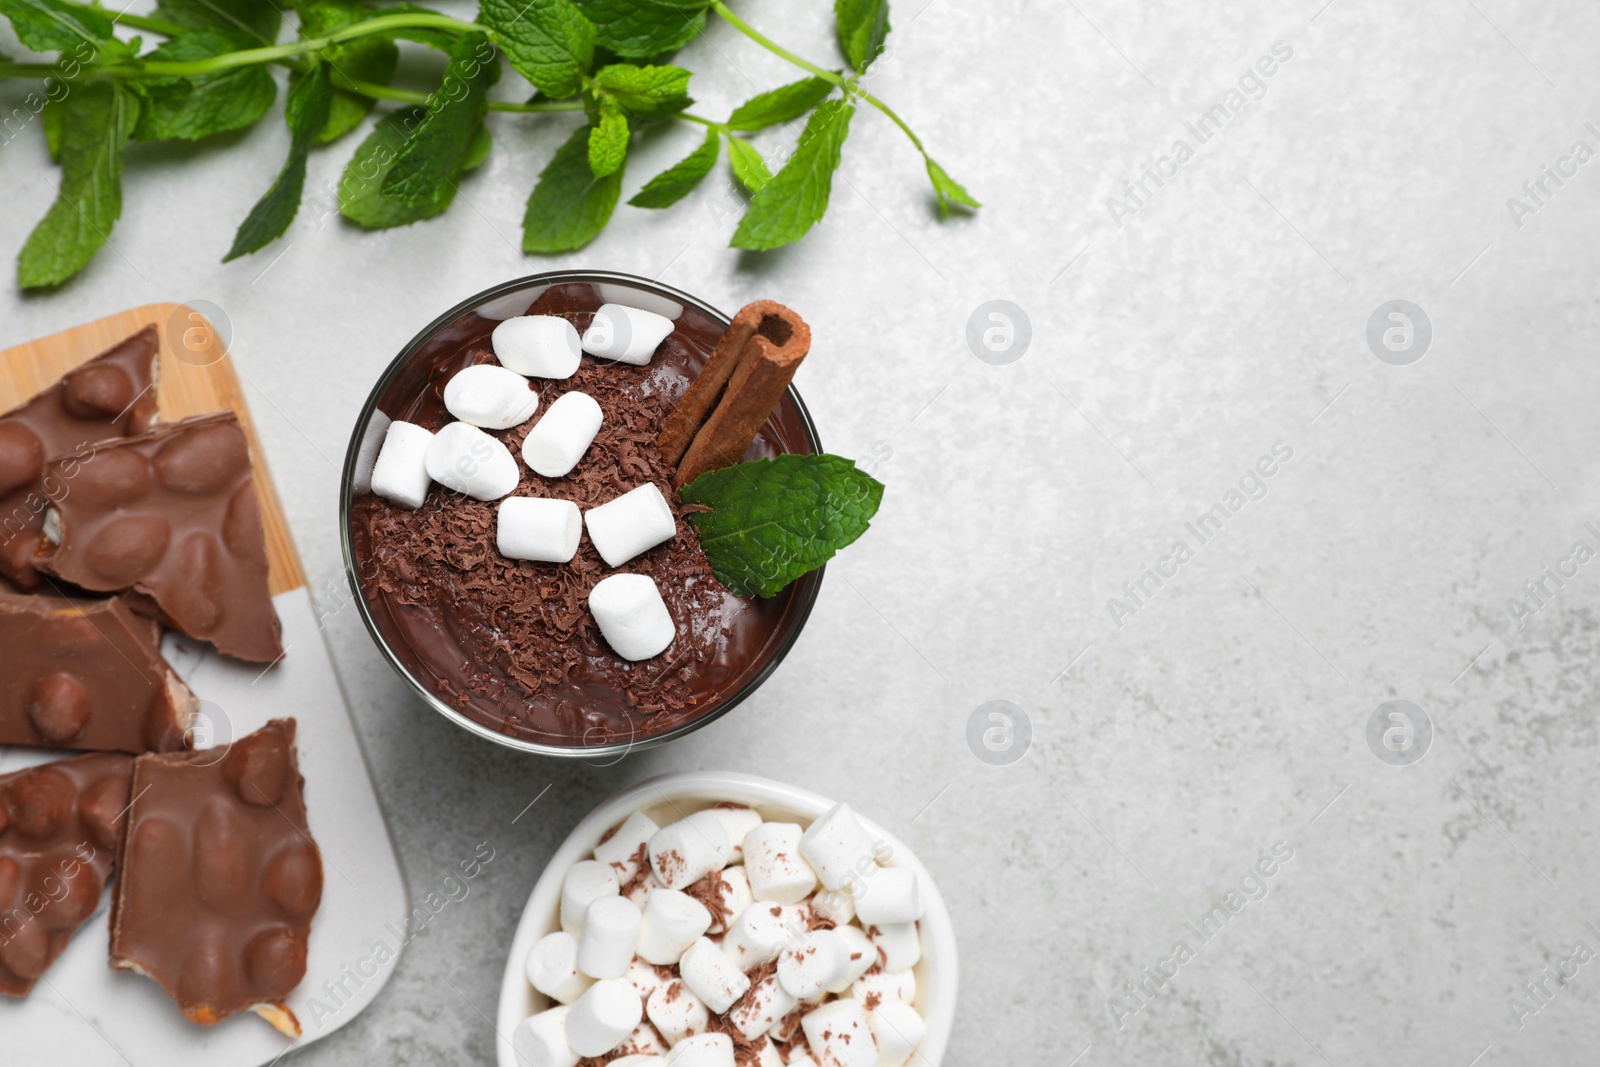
pixel 646 978
pixel 538 346
pixel 774 865
pixel 672 922
pixel 627 525
pixel 899 944
pixel 489 396
pixel 631 615
pixel 610 931
pixel 757 1012
pixel 400 474
pixel 560 438
pixel 684 852
pixel 464 458
pixel 882 987
pixel 585 883
pixel 861 953
pixel 552 968
pixel 702 1050
pixel 759 934
pixel 712 976
pixel 625 334
pixel 813 962
pixel 604 1017
pixel 621 849
pixel 638 1061
pixel 541 1040
pixel 838 847
pixel 729 888
pixel 839 1034
pixel 898 1030
pixel 887 895
pixel 538 528
pixel 676 1012
pixel 736 822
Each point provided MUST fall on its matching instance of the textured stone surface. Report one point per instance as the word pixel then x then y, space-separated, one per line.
pixel 1226 315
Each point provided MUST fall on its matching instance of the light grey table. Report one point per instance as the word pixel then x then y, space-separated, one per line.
pixel 1179 736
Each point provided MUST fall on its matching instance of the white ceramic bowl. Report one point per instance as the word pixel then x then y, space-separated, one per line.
pixel 670 797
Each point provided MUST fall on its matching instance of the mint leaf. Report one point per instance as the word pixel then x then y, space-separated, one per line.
pixel 96 121
pixel 608 139
pixel 367 59
pixel 786 207
pixel 546 41
pixel 426 169
pixel 306 111
pixel 646 92
pixel 191 108
pixel 51 26
pixel 251 22
pixel 780 105
pixel 774 520
pixel 478 149
pixel 360 197
pixel 949 190
pixel 863 25
pixel 570 206
pixel 640 29
pixel 748 166
pixel 680 179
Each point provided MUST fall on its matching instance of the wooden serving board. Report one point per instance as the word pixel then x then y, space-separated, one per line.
pixel 82 1012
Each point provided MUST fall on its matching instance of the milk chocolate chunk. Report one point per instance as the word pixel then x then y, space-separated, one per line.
pixel 172 516
pixel 87 674
pixel 219 878
pixel 108 397
pixel 60 825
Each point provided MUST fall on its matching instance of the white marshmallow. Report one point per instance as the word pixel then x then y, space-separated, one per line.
pixel 644 1041
pixel 863 955
pixel 802 1060
pixel 712 976
pixel 767 1003
pixel 733 889
pixel 737 822
pixel 838 847
pixel 489 396
pixel 539 346
pixel 621 849
pixel 702 1050
pixel 758 935
pixel 899 944
pixel 400 474
pixel 840 1036
pixel 538 528
pixel 631 615
pixel 638 1061
pixel 610 930
pixel 898 1030
pixel 586 882
pixel 541 1040
pixel 625 334
pixel 634 522
pixel 885 986
pixel 773 862
pixel 683 852
pixel 812 962
pixel 645 978
pixel 367 454
pixel 639 889
pixel 552 968
pixel 558 440
pixel 835 904
pixel 676 1012
pixel 466 459
pixel 887 895
pixel 672 922
pixel 603 1017
pixel 767 1055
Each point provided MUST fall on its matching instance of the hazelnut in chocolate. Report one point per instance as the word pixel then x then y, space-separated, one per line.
pixel 87 674
pixel 60 824
pixel 171 515
pixel 219 878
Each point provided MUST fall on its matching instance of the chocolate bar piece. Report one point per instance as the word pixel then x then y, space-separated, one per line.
pixel 87 674
pixel 109 396
pixel 172 515
pixel 219 878
pixel 60 825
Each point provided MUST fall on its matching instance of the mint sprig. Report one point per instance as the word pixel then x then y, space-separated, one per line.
pixel 773 520
pixel 209 71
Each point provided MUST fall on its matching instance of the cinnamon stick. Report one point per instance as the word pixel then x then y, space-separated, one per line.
pixel 725 406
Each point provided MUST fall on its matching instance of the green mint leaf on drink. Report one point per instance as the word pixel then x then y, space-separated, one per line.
pixel 51 26
pixel 427 166
pixel 188 109
pixel 779 105
pixel 252 23
pixel 306 111
pixel 96 121
pixel 796 197
pixel 646 93
pixel 948 190
pixel 773 520
pixel 863 26
pixel 569 206
pixel 680 179
pixel 748 166
pixel 608 139
pixel 548 42
pixel 643 29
